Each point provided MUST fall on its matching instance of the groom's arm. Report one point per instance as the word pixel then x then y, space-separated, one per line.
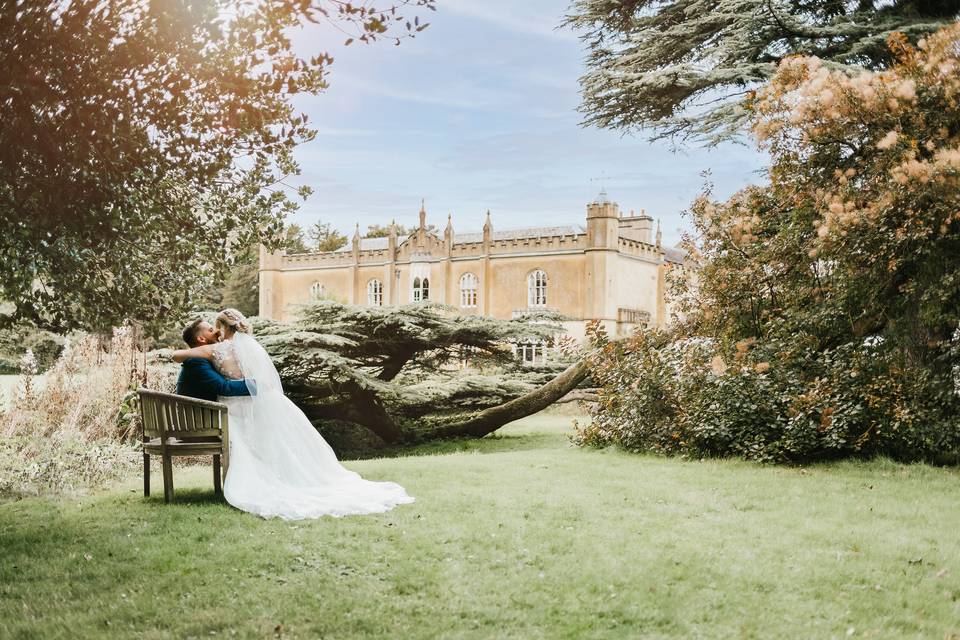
pixel 210 379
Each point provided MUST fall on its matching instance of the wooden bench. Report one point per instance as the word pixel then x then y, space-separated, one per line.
pixel 182 426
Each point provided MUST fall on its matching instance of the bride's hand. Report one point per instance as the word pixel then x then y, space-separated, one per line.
pixel 163 355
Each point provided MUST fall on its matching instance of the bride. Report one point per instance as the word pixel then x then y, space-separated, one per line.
pixel 280 466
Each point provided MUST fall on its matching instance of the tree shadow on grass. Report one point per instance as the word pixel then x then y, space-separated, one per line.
pixel 494 443
pixel 185 496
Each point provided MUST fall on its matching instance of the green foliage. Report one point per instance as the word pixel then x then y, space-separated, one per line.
pixel 294 240
pixel 40 466
pixel 15 340
pixel 683 67
pixel 829 298
pixel 679 397
pixel 383 230
pixel 141 142
pixel 401 369
pixel 325 238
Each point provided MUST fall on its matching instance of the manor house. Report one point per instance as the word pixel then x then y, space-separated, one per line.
pixel 610 270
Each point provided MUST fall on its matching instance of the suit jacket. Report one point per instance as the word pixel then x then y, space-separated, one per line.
pixel 198 379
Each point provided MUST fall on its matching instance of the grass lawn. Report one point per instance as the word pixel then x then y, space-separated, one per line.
pixel 514 536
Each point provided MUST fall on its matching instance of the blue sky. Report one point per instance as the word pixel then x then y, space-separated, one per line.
pixel 479 112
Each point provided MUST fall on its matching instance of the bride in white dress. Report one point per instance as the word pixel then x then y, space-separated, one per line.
pixel 280 466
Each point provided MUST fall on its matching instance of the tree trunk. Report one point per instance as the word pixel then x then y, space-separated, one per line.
pixel 361 407
pixel 491 419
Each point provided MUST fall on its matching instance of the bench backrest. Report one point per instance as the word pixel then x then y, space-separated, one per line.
pixel 166 415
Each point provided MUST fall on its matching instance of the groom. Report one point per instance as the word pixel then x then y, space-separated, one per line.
pixel 198 378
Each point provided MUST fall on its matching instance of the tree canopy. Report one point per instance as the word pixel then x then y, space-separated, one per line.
pixel 141 141
pixel 383 230
pixel 825 316
pixel 324 237
pixel 396 372
pixel 686 67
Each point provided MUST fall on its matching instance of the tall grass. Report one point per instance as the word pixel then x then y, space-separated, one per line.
pixel 75 426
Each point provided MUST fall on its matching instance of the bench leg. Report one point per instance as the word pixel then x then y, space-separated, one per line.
pixel 146 475
pixel 167 479
pixel 217 486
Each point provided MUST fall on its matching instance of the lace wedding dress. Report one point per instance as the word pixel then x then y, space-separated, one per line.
pixel 279 465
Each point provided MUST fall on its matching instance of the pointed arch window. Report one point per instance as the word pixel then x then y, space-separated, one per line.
pixel 317 290
pixel 375 293
pixel 537 289
pixel 469 284
pixel 421 289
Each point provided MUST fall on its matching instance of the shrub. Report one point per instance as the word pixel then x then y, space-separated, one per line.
pixel 15 341
pixel 77 424
pixel 831 294
pixel 689 397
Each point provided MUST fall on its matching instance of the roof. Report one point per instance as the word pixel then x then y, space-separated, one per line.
pixel 674 254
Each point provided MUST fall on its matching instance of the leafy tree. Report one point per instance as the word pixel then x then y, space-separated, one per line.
pixel 240 288
pixel 394 370
pixel 824 320
pixel 142 140
pixel 383 230
pixel 294 240
pixel 684 67
pixel 325 237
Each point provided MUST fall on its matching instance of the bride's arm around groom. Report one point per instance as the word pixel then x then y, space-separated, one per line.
pixel 198 377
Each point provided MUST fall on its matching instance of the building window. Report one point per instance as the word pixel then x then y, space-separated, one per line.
pixel 537 289
pixel 375 293
pixel 468 290
pixel 317 290
pixel 421 289
pixel 531 353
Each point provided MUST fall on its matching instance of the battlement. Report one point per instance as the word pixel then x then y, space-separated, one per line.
pixel 606 229
pixel 640 249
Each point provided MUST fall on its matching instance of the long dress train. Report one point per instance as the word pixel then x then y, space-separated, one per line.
pixel 280 466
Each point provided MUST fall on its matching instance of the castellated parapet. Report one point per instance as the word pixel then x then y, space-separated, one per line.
pixel 606 270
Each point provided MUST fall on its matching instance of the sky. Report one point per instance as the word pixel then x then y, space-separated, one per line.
pixel 478 112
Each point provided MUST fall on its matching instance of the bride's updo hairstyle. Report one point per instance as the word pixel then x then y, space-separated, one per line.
pixel 234 320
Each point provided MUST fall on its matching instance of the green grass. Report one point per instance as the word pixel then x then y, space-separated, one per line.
pixel 515 536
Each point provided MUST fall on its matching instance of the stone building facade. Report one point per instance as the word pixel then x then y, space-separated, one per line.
pixel 612 269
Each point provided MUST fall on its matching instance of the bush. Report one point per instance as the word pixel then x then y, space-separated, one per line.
pixel 831 294
pixel 688 397
pixel 32 465
pixel 15 341
pixel 77 425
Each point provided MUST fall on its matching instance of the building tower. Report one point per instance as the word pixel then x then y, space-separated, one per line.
pixel 603 233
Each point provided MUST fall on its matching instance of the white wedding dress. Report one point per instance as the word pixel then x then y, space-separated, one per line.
pixel 280 466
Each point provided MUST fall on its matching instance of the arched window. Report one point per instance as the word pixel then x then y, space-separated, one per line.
pixel 317 290
pixel 537 289
pixel 421 289
pixel 468 290
pixel 375 293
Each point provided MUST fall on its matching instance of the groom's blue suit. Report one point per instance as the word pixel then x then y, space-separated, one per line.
pixel 198 379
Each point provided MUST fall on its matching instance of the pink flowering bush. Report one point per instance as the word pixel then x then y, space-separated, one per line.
pixel 829 297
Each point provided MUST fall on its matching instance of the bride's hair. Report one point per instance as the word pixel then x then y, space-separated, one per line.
pixel 235 320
